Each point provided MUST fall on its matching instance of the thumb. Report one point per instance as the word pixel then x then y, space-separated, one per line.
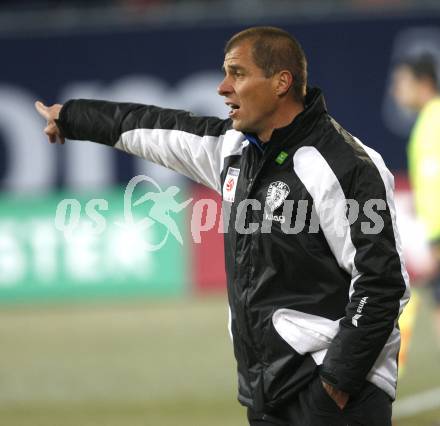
pixel 42 109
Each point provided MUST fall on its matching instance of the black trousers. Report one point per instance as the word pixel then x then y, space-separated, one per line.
pixel 314 407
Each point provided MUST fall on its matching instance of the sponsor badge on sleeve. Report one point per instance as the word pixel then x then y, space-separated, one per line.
pixel 230 184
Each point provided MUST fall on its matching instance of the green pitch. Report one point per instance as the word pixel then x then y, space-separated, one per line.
pixel 142 363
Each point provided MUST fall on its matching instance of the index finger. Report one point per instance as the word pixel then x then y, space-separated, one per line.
pixel 42 109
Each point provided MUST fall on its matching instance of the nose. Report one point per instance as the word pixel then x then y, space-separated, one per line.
pixel 225 88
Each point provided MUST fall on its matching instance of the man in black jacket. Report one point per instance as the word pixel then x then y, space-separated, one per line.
pixel 316 280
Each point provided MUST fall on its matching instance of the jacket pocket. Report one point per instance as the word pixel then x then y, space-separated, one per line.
pixel 321 399
pixel 305 333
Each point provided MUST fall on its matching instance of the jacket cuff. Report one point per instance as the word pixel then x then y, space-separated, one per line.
pixel 62 120
pixel 344 384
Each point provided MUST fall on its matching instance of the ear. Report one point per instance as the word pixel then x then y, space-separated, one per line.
pixel 284 82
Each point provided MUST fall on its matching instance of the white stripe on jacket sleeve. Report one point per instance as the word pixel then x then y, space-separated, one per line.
pixel 198 157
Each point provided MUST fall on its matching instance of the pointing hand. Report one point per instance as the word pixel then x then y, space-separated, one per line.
pixel 50 114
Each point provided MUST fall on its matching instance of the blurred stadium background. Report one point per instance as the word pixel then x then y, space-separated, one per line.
pixel 95 331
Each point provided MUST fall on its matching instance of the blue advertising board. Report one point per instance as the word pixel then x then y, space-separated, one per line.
pixel 179 66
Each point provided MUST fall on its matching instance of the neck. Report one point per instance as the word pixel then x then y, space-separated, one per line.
pixel 282 119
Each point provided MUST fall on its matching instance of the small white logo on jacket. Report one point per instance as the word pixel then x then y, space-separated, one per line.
pixel 356 317
pixel 276 194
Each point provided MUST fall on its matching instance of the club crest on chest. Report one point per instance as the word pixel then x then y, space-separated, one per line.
pixel 276 194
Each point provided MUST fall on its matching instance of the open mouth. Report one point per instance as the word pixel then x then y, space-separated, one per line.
pixel 234 109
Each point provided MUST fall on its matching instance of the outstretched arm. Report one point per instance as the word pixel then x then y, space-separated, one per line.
pixel 191 145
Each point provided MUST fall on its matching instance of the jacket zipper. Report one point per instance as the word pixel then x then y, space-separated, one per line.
pixel 263 160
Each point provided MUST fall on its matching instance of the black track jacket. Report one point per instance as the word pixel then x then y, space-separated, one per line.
pixel 314 265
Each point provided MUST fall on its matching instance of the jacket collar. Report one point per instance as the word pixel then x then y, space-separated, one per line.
pixel 304 122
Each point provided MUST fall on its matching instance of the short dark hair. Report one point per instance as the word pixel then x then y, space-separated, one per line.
pixel 274 50
pixel 423 67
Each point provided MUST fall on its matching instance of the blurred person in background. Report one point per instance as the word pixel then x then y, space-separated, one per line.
pixel 313 313
pixel 415 88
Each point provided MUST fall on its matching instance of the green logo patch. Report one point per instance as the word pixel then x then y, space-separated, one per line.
pixel 281 158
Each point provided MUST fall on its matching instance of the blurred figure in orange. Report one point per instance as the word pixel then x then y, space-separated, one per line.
pixel 415 88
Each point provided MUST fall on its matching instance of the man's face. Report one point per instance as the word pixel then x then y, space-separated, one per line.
pixel 405 88
pixel 251 96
